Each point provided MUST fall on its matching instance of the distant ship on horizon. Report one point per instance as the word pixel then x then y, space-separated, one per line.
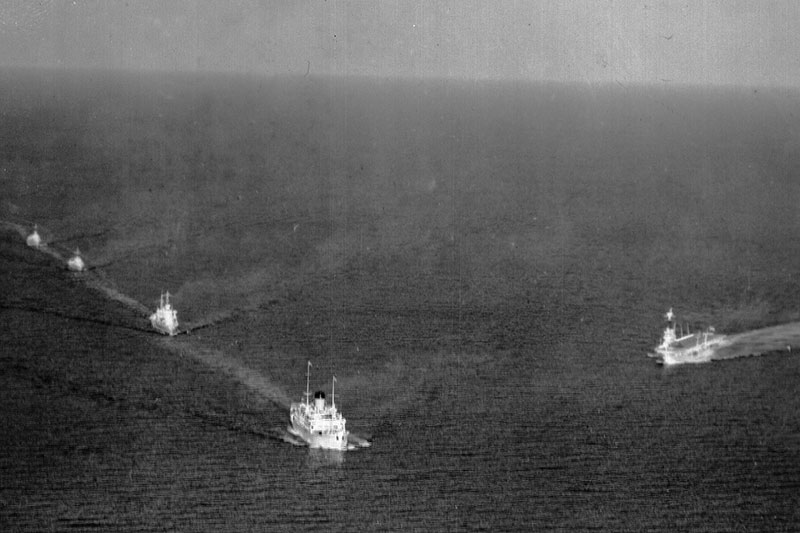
pixel 319 424
pixel 165 319
pixel 697 347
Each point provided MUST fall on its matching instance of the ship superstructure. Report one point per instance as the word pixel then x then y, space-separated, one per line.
pixel 34 240
pixel 165 319
pixel 75 263
pixel 320 424
pixel 688 347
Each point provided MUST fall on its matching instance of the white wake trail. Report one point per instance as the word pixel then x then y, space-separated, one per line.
pixel 230 366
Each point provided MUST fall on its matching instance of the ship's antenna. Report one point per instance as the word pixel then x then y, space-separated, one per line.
pixel 333 393
pixel 308 380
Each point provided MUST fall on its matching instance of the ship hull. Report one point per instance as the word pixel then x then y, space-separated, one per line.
pixel 697 347
pixel 161 328
pixel 317 439
pixel 76 265
pixel 692 354
pixel 679 357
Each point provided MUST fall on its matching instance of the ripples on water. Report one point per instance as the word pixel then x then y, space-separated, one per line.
pixel 488 330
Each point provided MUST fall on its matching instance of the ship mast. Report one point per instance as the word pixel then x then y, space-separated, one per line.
pixel 308 379
pixel 333 393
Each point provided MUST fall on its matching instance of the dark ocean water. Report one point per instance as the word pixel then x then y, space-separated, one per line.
pixel 484 267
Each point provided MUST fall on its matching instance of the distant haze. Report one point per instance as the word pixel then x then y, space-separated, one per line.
pixel 698 42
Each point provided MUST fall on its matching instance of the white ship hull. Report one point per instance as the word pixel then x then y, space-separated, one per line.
pixel 677 357
pixel 163 328
pixel 318 423
pixel 702 351
pixel 319 435
pixel 697 354
pixel 33 240
pixel 698 347
pixel 165 319
pixel 76 264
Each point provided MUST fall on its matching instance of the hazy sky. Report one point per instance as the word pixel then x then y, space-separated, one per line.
pixel 753 42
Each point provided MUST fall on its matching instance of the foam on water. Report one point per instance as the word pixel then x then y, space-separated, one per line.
pixel 114 294
pixel 213 358
pixel 355 440
pixel 19 228
pixel 208 321
pixel 774 339
pixel 230 366
pixel 285 435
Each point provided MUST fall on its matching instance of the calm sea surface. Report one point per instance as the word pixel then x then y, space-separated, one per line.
pixel 483 267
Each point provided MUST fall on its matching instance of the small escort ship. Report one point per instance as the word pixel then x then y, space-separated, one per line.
pixel 697 347
pixel 34 240
pixel 75 263
pixel 165 319
pixel 317 423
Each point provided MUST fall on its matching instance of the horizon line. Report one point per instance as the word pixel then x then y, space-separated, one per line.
pixel 623 84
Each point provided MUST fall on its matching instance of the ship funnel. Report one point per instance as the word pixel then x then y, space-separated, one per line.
pixel 319 400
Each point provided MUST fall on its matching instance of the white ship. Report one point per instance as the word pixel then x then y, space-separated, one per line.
pixel 75 263
pixel 320 425
pixel 697 347
pixel 34 240
pixel 165 319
